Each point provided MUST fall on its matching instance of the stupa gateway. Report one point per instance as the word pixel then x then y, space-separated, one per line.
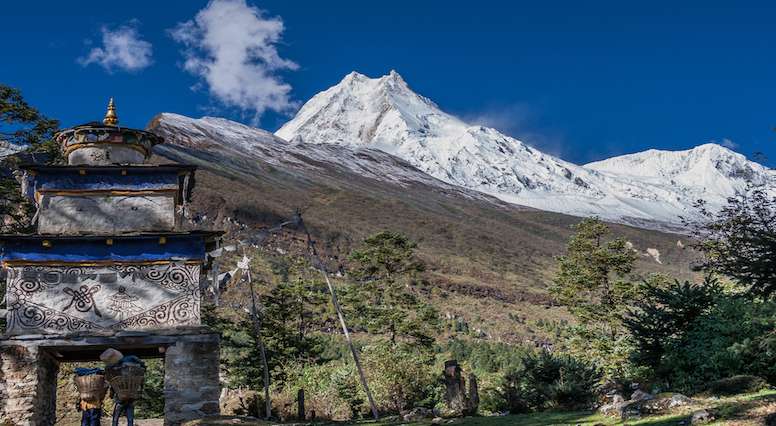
pixel 109 266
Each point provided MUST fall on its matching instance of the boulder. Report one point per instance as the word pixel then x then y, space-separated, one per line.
pixel 613 408
pixel 640 395
pixel 239 402
pixel 631 412
pixel 417 414
pixel 700 417
pixel 679 400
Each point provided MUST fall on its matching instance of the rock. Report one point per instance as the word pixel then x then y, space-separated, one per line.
pixel 612 409
pixel 417 413
pixel 437 421
pixel 239 402
pixel 701 416
pixel 631 412
pixel 679 400
pixel 640 395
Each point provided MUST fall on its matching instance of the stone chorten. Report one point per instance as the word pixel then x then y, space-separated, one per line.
pixel 109 266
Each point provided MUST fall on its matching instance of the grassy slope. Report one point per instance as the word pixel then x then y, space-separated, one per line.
pixel 488 261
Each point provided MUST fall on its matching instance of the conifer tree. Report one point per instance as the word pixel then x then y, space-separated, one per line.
pixel 592 282
pixel 740 241
pixel 388 274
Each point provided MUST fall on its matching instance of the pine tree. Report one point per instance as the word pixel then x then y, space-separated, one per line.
pixel 740 241
pixel 388 276
pixel 592 283
pixel 662 316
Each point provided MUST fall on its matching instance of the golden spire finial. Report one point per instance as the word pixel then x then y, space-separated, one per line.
pixel 111 119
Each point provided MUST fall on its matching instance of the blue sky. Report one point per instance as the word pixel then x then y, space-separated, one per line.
pixel 583 80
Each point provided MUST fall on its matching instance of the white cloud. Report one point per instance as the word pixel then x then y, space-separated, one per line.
pixel 122 48
pixel 231 46
pixel 727 143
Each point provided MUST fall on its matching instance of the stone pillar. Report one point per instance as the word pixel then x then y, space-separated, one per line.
pixel 191 386
pixel 28 386
pixel 459 403
pixel 455 387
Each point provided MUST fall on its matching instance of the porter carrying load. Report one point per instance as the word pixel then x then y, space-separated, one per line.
pixel 92 388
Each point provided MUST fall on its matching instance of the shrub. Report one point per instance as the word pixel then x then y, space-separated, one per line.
pixel 736 384
pixel 730 340
pixel 322 393
pixel 401 377
pixel 151 403
pixel 550 381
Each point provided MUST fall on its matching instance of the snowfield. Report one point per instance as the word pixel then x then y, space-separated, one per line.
pixel 650 189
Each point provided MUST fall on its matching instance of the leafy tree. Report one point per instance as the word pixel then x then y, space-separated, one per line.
pixel 690 335
pixel 486 357
pixel 740 241
pixel 592 283
pixel 591 276
pixel 401 376
pixel 388 274
pixel 660 319
pixel 23 126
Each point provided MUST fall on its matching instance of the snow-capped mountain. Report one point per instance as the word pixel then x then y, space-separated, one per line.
pixel 260 150
pixel 652 188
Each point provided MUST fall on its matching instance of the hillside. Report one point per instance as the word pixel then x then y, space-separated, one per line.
pixel 490 261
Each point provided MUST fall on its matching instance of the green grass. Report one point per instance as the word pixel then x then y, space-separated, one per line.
pixel 730 410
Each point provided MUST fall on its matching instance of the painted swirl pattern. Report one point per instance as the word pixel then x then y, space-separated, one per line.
pixel 54 299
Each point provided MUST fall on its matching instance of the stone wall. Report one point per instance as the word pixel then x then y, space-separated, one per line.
pixel 106 214
pixel 28 384
pixel 105 155
pixel 191 386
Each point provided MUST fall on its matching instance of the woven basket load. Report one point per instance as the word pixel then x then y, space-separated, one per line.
pixel 126 381
pixel 91 388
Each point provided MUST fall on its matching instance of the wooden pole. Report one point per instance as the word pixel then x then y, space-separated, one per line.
pixel 262 352
pixel 319 265
pixel 353 350
pixel 300 404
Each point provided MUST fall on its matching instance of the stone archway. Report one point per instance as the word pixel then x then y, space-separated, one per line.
pixel 29 366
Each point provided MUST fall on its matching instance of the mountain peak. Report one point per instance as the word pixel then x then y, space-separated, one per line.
pixel 647 187
pixel 393 80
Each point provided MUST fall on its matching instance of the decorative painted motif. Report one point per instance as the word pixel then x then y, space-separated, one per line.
pixel 176 312
pixel 58 299
pixel 123 304
pixel 83 299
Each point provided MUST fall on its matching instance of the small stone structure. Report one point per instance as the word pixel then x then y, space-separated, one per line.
pixel 108 267
pixel 458 401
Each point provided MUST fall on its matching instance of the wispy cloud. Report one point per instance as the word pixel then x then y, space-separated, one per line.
pixel 122 48
pixel 519 120
pixel 729 144
pixel 232 47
